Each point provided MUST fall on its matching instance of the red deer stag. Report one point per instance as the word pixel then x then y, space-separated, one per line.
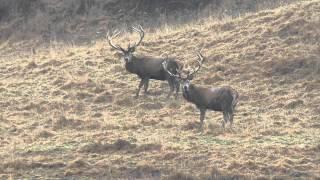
pixel 146 67
pixel 223 99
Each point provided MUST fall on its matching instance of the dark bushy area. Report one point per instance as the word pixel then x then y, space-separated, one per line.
pixel 15 8
pixel 79 20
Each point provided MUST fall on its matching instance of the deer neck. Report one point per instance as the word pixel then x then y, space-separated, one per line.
pixel 131 66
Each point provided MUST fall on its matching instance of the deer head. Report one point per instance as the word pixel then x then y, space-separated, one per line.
pixel 127 54
pixel 185 76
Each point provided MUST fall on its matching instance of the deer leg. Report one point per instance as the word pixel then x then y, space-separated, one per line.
pixel 202 115
pixel 231 119
pixel 171 85
pixel 225 119
pixel 140 86
pixel 146 85
pixel 177 84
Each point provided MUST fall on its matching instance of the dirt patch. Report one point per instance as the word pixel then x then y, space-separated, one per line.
pixel 88 84
pixel 105 97
pixel 77 163
pixel 294 104
pixel 149 122
pixel 212 80
pixel 148 147
pixel 119 145
pixel 220 174
pixel 83 95
pixel 144 171
pixel 151 106
pixel 63 122
pixel 295 120
pixel 191 126
pixel 20 164
pixel 316 148
pixel 292 28
pixel 181 176
pixel 213 174
pixel 31 65
pixel 288 66
pixel 170 156
pixel 44 134
pixel 51 62
pixel 125 101
pixel 216 129
pixel 273 132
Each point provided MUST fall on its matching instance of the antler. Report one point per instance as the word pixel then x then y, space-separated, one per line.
pixel 200 61
pixel 165 67
pixel 141 33
pixel 109 39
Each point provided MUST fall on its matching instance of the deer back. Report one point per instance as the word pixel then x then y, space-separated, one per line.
pixel 149 67
pixel 221 98
pixel 218 99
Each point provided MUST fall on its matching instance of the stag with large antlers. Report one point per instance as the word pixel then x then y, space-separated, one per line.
pixel 146 67
pixel 223 99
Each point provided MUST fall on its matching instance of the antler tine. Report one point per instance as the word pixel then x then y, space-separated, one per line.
pixel 116 33
pixel 179 70
pixel 164 65
pixel 135 29
pixel 138 30
pixel 141 28
pixel 141 33
pixel 109 39
pixel 200 56
pixel 200 61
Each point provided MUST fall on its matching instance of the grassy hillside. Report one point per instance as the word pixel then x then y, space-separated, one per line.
pixel 69 111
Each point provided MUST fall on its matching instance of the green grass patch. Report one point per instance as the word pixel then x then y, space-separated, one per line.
pixel 50 147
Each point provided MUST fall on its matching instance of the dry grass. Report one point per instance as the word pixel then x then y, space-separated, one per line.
pixel 70 111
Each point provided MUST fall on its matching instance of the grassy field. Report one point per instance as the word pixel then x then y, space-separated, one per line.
pixel 69 111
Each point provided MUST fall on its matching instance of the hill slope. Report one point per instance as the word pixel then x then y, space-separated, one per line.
pixel 70 111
